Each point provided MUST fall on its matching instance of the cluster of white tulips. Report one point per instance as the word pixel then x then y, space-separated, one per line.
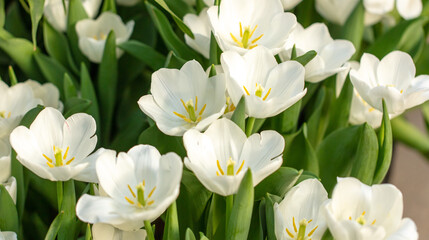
pixel 208 119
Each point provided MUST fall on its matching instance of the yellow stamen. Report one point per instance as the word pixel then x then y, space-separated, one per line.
pixel 241 30
pixel 236 41
pixel 312 231
pixel 65 154
pixel 183 102
pixel 69 161
pixel 310 221
pixel 266 95
pixel 371 110
pixel 50 164
pixel 49 160
pixel 402 91
pixel 241 167
pixel 217 173
pixel 8 115
pixel 373 222
pixel 256 39
pixel 196 103
pixel 150 202
pixel 294 226
pixel 132 192
pixel 129 201
pixel 289 233
pixel 253 46
pixel 253 31
pixel 202 110
pixel 151 192
pixel 245 89
pixel 183 117
pixel 220 169
pixel 144 183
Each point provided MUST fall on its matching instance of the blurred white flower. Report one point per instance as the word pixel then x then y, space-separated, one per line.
pixel 221 156
pixel 290 4
pixel 93 33
pixel 140 185
pixel 245 24
pixel 268 87
pixel 336 11
pixel 184 99
pixel 48 93
pixel 102 231
pixel 15 102
pixel 55 148
pixel 300 215
pixel 8 236
pixel 357 211
pixel 331 54
pixel 5 169
pixel 392 79
pixel 56 14
pixel 200 27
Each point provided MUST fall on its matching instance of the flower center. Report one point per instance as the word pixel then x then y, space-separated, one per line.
pixel 192 110
pixel 300 233
pixel 59 158
pixel 230 164
pixel 100 36
pixel 139 199
pixel 4 114
pixel 259 91
pixel 361 219
pixel 229 106
pixel 245 36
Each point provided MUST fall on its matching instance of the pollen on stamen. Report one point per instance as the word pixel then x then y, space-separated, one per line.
pixel 50 165
pixel 294 225
pixel 132 192
pixel 151 192
pixel 46 157
pixel 219 167
pixel 240 168
pixel 69 161
pixel 289 233
pixel 373 222
pixel 150 203
pixel 129 201
pixel 266 95
pixel 65 154
pixel 312 231
pixel 245 89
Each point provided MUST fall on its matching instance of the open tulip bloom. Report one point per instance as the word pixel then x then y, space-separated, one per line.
pixel 200 26
pixel 221 156
pixel 244 24
pixel 268 87
pixel 392 79
pixel 55 148
pixel 184 99
pixel 357 211
pixel 140 185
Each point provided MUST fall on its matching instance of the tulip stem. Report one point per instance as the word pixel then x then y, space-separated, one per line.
pixel 249 126
pixel 149 230
pixel 410 135
pixel 229 203
pixel 60 194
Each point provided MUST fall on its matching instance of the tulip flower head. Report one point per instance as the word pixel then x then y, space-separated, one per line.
pixel 8 181
pixel 200 26
pixel 221 156
pixel 140 185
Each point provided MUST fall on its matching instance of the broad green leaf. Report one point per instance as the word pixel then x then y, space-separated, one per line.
pixel 29 117
pixel 8 213
pixel 385 144
pixel 287 121
pixel 69 87
pixel 189 235
pixel 340 111
pixel 315 125
pixel 21 51
pixel 36 13
pixel 178 21
pixel 76 13
pixel 277 183
pixel 68 206
pixel 182 7
pixel 410 135
pixel 57 46
pixel 88 233
pixel 2 14
pixel 170 38
pixel 75 105
pixel 216 218
pixel 354 27
pixel 306 58
pixel 106 86
pixel 269 214
pixel 171 228
pixel 128 135
pixel 144 53
pixel 415 41
pixel 306 175
pixel 162 142
pixel 214 50
pixel 12 76
pixel 15 21
pixel 109 6
pixel 256 231
pixel 241 214
pixel 55 226
pixel 239 115
pixel 87 91
pixel 173 61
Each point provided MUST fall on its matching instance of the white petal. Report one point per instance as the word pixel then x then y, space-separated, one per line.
pixel 409 9
pixel 10 186
pixel 47 128
pixel 397 69
pixel 55 14
pixel 91 7
pixel 387 206
pixel 406 231
pixel 337 53
pixel 5 163
pixel 379 6
pixel 101 231
pixel 89 174
pixel 336 11
pixel 289 4
pixel 418 92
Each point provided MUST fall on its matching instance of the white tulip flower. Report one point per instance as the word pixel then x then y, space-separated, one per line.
pixel 200 26
pixel 300 215
pixel 357 211
pixel 15 102
pixel 392 79
pixel 93 33
pixel 8 236
pixel 5 169
pixel 55 148
pixel 336 11
pixel 56 11
pixel 245 24
pixel 331 54
pixel 268 87
pixel 48 93
pixel 408 9
pixel 221 156
pixel 140 185
pixel 290 4
pixel 184 99
pixel 102 231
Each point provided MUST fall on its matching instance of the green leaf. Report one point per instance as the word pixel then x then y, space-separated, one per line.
pixel 88 233
pixel 385 144
pixel 306 58
pixel 21 51
pixel 68 206
pixel 87 91
pixel 216 218
pixel 241 214
pixel 256 231
pixel 354 27
pixel 178 21
pixel 75 105
pixel 109 6
pixel 340 111
pixel 269 213
pixel 173 61
pixel 76 13
pixel 8 213
pixel 189 235
pixel 55 226
pixel 29 117
pixel 107 84
pixel 365 160
pixel 36 12
pixel 287 121
pixel 69 88
pixel 2 14
pixel 128 135
pixel 171 40
pixel 12 76
pixel 410 135
pixel 239 115
pixel 317 122
pixel 144 53
pixel 171 229
pixel 277 183
pixel 162 142
pixel 214 51
pixel 57 46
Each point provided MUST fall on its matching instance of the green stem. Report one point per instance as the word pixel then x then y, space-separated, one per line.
pixel 59 194
pixel 149 230
pixel 249 126
pixel 410 135
pixel 229 203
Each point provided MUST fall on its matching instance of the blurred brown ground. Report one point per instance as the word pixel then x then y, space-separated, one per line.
pixel 410 173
